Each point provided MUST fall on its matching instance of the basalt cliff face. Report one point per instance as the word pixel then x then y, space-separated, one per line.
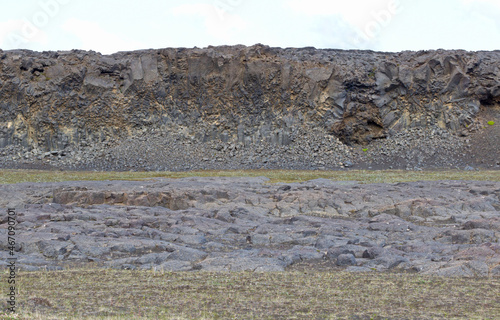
pixel 240 96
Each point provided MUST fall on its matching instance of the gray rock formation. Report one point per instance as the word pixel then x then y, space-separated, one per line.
pixel 214 224
pixel 219 99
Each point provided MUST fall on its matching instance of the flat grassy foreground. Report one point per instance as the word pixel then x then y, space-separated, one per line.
pixel 113 294
pixel 364 176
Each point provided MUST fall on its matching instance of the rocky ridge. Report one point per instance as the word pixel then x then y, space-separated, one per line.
pixel 248 107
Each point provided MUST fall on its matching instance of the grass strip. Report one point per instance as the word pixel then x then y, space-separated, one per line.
pixel 124 294
pixel 287 176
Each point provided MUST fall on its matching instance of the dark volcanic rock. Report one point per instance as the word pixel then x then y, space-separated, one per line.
pixel 247 107
pixel 236 224
pixel 346 260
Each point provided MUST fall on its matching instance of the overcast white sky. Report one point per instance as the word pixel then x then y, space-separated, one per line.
pixel 108 26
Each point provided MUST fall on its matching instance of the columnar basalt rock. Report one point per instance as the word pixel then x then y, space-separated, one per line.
pixel 235 93
pixel 236 96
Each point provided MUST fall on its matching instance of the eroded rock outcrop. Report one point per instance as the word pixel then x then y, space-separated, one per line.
pixel 258 94
pixel 219 224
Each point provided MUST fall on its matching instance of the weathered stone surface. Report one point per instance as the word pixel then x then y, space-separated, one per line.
pixel 449 227
pixel 346 259
pixel 252 107
pixel 174 265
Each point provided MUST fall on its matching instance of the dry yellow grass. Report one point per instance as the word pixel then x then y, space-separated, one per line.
pixel 113 294
pixel 364 176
